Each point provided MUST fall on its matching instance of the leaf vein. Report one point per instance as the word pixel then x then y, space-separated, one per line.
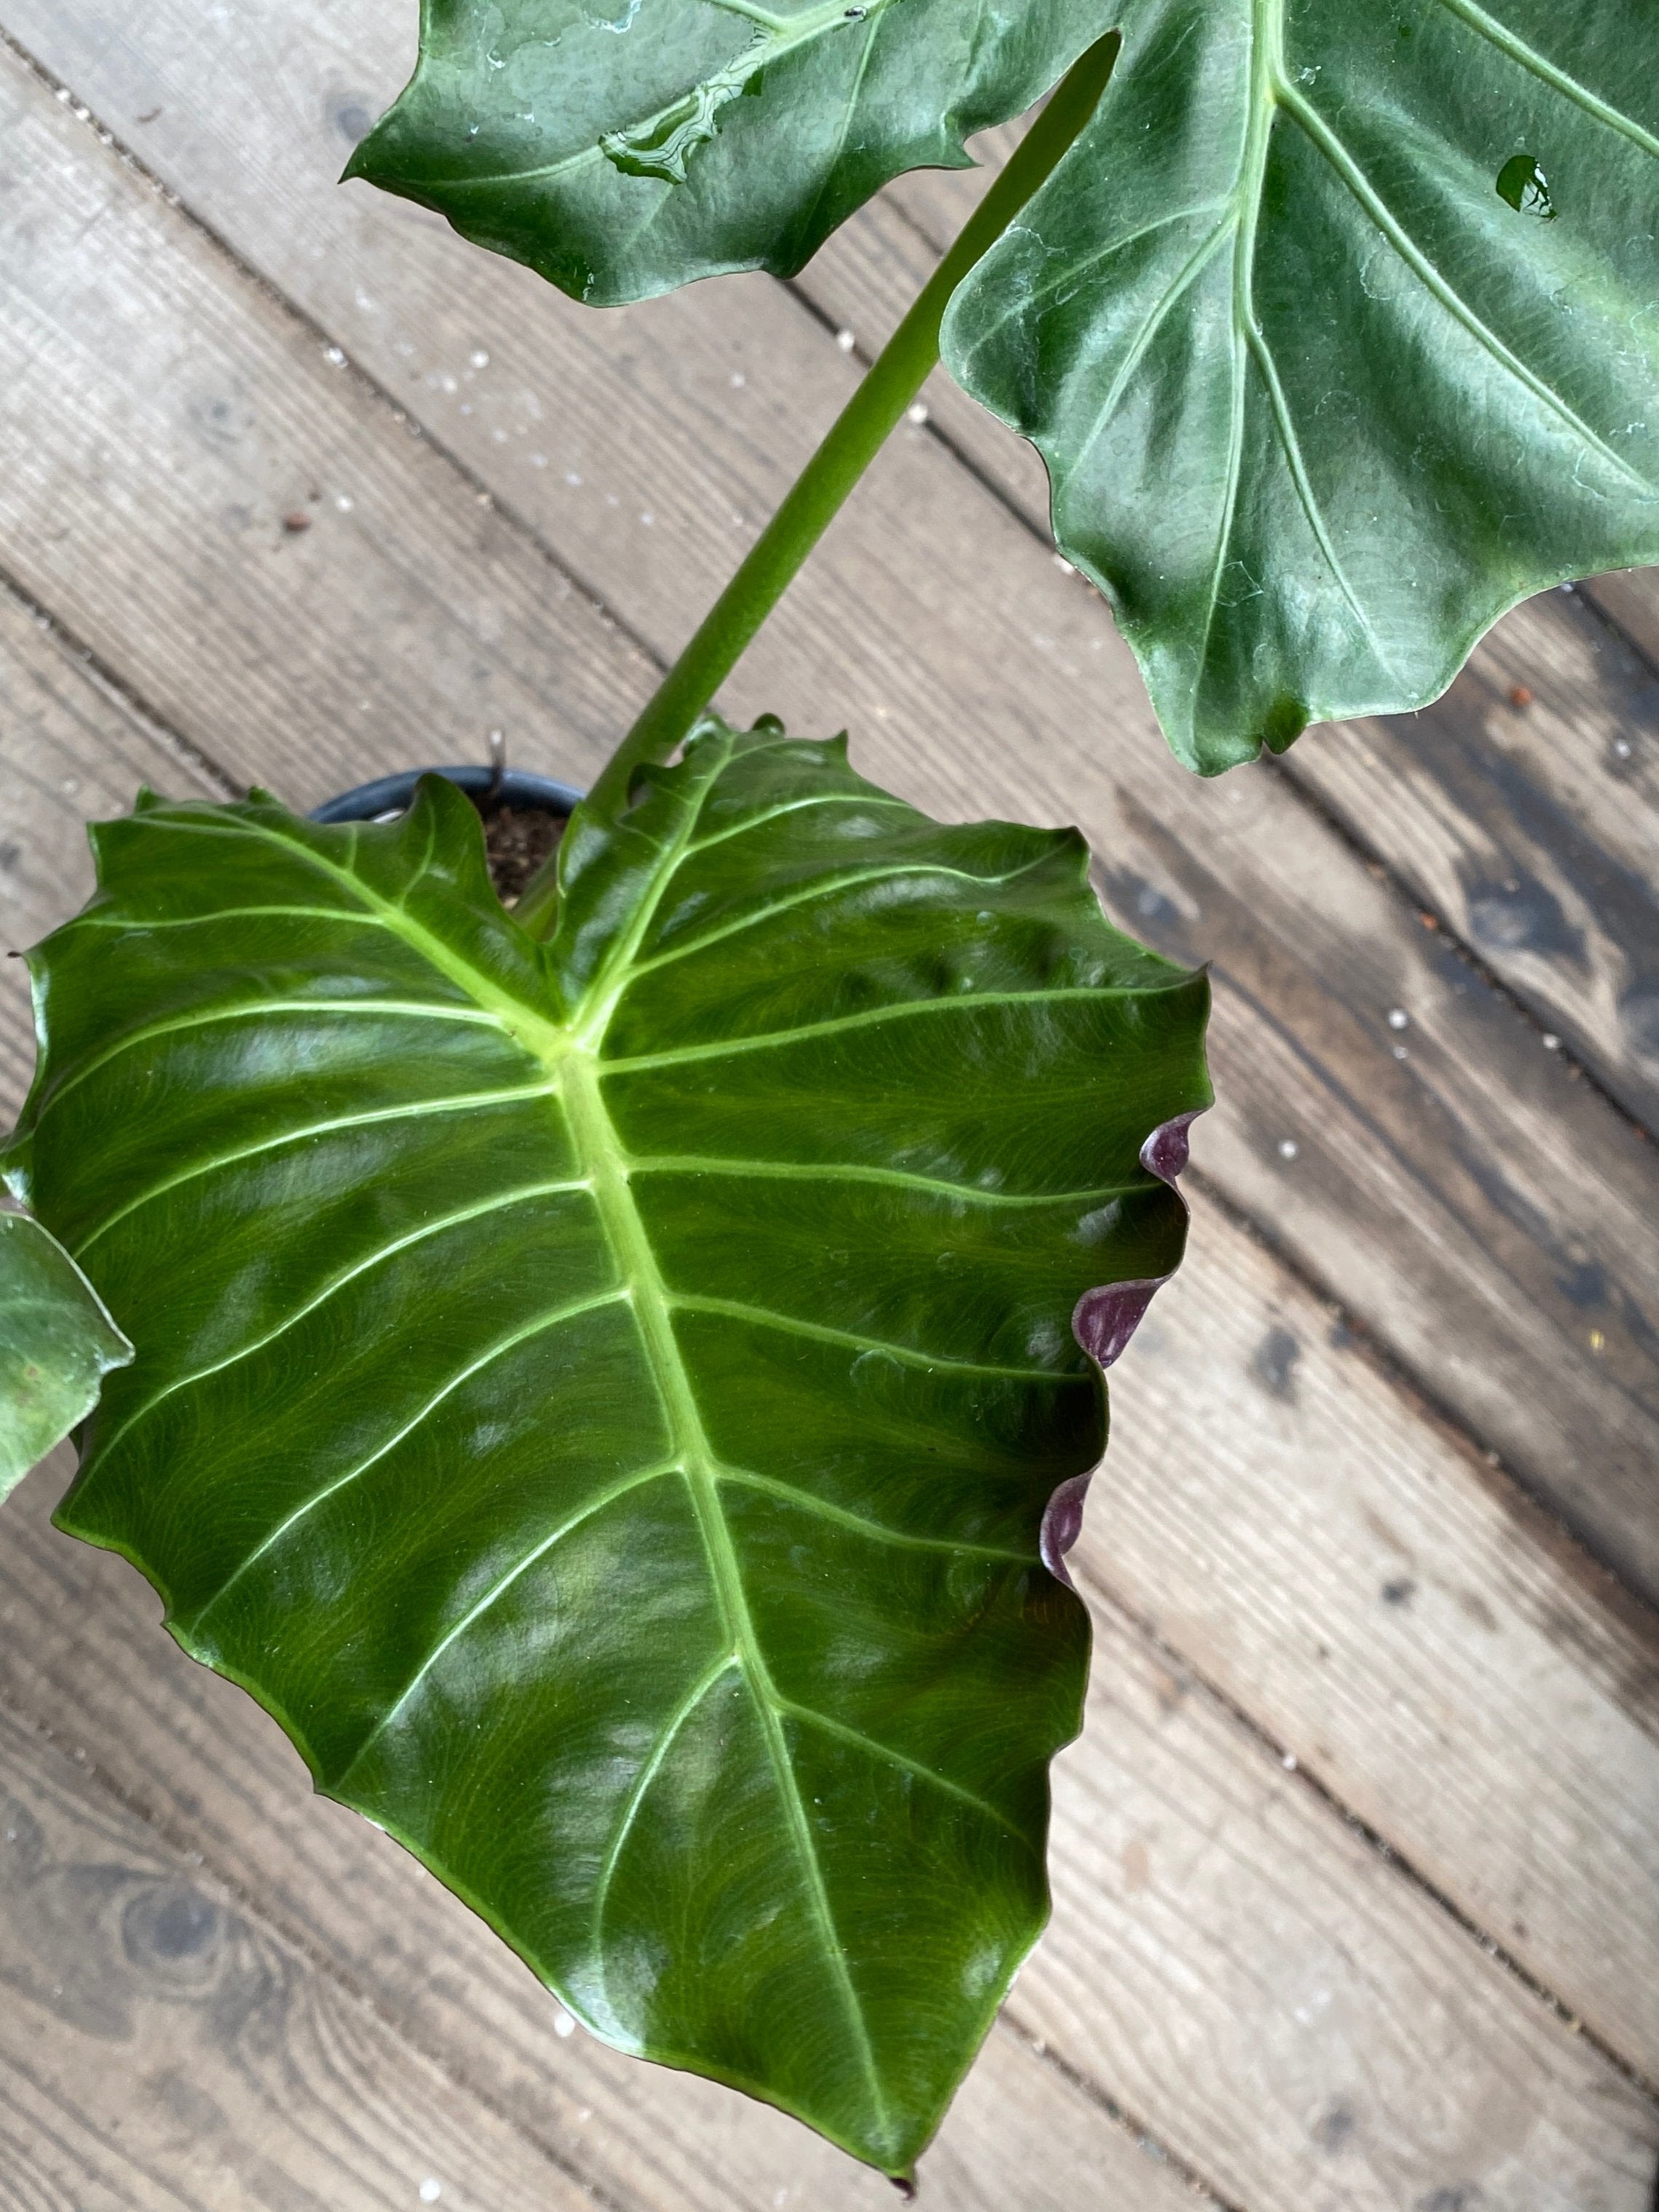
pixel 1295 460
pixel 821 1509
pixel 593 1507
pixel 795 806
pixel 417 1110
pixel 820 1333
pixel 1559 81
pixel 1337 155
pixel 1180 285
pixel 493 1205
pixel 898 1178
pixel 923 1773
pixel 392 1009
pixel 826 887
pixel 966 1001
pixel 353 914
pixel 636 1796
pixel 539 1327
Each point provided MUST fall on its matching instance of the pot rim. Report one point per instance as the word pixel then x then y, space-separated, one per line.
pixel 391 794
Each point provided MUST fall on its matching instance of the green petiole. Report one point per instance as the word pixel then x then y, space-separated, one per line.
pixel 864 426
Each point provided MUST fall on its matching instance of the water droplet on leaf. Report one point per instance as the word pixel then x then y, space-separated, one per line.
pixel 1525 186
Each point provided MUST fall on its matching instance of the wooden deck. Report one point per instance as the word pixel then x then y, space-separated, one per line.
pixel 1356 1868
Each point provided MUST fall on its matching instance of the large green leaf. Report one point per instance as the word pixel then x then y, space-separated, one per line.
pixel 604 1398
pixel 1321 386
pixel 57 1344
pixel 1338 327
pixel 622 151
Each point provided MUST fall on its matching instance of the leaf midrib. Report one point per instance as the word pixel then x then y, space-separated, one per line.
pixel 599 1152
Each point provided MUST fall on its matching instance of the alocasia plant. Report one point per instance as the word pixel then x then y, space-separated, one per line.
pixel 617 1379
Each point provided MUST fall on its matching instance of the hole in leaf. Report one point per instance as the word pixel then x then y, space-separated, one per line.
pixel 1525 186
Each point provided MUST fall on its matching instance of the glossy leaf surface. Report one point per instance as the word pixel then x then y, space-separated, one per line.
pixel 57 1344
pixel 620 154
pixel 604 1397
pixel 1338 331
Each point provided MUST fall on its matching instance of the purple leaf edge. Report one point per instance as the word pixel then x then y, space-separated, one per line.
pixel 1103 1322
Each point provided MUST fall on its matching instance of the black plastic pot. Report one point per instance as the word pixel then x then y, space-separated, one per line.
pixel 486 787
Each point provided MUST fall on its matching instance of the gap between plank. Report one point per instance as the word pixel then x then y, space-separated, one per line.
pixel 1616 629
pixel 1148 2144
pixel 110 686
pixel 1616 1592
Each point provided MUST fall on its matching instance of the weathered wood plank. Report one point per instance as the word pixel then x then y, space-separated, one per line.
pixel 1383 2064
pixel 69 753
pixel 213 1772
pixel 1187 1985
pixel 161 2048
pixel 1461 1201
pixel 187 419
pixel 1330 1559
pixel 1393 1614
pixel 1522 808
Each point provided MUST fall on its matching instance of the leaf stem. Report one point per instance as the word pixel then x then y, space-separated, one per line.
pixel 864 426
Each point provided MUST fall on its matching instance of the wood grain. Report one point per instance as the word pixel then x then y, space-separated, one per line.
pixel 1492 1221
pixel 175 421
pixel 162 2049
pixel 1523 811
pixel 1391 1611
pixel 1377 2062
pixel 1630 596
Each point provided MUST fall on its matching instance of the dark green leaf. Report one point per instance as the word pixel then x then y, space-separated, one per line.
pixel 57 1344
pixel 623 150
pixel 1320 393
pixel 604 1398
